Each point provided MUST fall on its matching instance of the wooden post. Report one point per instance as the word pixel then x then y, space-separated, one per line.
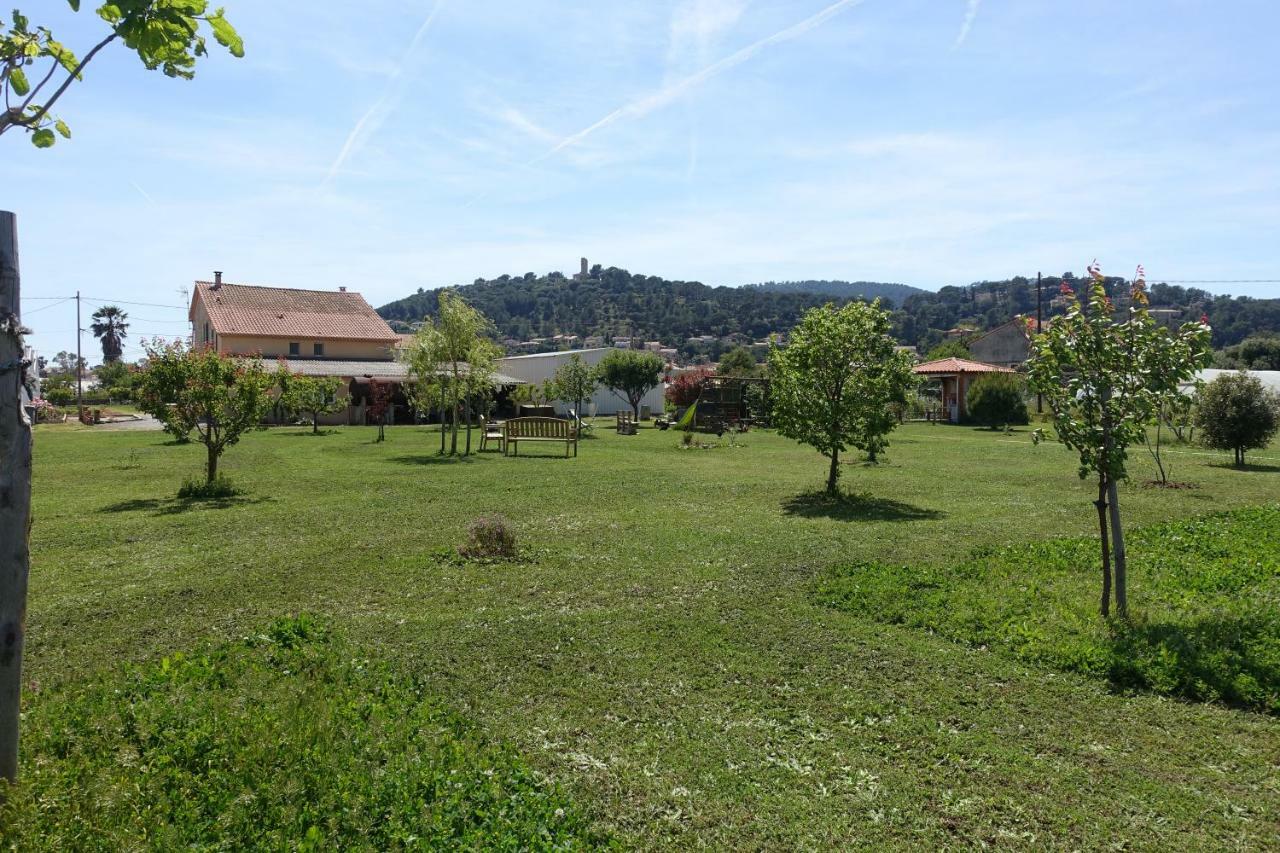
pixel 15 499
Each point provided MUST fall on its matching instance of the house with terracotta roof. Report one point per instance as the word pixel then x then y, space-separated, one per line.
pixel 332 333
pixel 310 332
pixel 955 375
pixel 280 322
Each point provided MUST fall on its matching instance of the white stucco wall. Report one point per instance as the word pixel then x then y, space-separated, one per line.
pixel 542 366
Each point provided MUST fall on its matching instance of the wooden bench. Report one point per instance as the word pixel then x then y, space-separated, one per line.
pixel 517 430
pixel 626 423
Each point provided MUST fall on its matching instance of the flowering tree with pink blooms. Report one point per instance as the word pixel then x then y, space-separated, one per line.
pixel 1104 379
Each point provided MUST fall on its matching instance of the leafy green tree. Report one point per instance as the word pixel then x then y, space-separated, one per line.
pixel 110 326
pixel 832 385
pixel 65 362
pixel 630 374
pixel 315 395
pixel 575 381
pixel 1104 381
pixel 119 379
pixel 218 397
pixel 954 348
pixel 451 354
pixel 737 362
pixel 430 388
pixel 36 69
pixel 1237 413
pixel 996 400
pixel 1256 352
pixel 59 389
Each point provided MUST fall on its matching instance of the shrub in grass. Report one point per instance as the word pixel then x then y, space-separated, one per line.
pixel 996 400
pixel 292 739
pixel 199 489
pixel 1237 413
pixel 1211 630
pixel 490 537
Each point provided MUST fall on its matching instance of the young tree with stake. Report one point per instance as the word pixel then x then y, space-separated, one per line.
pixel 575 382
pixel 834 382
pixel 1103 381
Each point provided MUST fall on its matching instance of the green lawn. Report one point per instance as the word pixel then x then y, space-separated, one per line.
pixel 659 651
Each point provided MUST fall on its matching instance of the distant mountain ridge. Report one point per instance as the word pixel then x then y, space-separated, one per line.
pixel 613 303
pixel 842 289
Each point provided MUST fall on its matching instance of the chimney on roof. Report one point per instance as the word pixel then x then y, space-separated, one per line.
pixel 342 289
pixel 217 279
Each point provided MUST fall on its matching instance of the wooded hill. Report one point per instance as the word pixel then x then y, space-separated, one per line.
pixel 843 290
pixel 615 303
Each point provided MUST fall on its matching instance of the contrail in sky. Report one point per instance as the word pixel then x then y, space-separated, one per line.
pixel 373 118
pixel 655 100
pixel 970 13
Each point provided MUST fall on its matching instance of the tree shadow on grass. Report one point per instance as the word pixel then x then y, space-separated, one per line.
pixel 855 507
pixel 1247 467
pixel 176 506
pixel 294 432
pixel 1211 659
pixel 433 459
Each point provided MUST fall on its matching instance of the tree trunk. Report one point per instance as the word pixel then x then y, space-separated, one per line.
pixel 635 409
pixel 315 423
pixel 467 406
pixel 833 476
pixel 15 501
pixel 1117 549
pixel 442 404
pixel 211 467
pixel 1101 504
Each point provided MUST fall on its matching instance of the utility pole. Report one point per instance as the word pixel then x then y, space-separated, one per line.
pixel 79 362
pixel 1039 329
pixel 15 498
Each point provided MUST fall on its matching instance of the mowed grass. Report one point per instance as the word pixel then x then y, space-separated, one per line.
pixel 1207 624
pixel 658 651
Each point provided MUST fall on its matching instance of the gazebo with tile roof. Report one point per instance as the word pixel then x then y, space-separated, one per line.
pixel 956 375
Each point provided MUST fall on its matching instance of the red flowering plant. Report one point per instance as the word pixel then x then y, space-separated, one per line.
pixel 685 388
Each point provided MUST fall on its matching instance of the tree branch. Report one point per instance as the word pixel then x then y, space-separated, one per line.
pixel 35 119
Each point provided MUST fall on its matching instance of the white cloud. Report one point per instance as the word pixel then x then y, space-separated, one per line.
pixel 662 97
pixel 970 14
pixel 372 120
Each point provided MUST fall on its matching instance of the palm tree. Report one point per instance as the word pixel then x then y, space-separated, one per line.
pixel 110 326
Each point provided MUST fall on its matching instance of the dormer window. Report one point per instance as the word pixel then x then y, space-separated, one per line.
pixel 295 348
pixel 317 350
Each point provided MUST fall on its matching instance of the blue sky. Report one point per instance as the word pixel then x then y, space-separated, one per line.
pixel 421 143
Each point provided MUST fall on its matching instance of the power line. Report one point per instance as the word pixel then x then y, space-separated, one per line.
pixel 1215 280
pixel 103 301
pixel 46 307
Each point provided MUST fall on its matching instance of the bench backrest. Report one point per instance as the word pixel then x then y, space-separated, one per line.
pixel 539 428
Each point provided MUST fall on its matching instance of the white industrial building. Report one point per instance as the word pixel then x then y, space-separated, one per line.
pixel 539 367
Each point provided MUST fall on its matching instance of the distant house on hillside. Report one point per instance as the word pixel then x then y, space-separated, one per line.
pixel 1008 345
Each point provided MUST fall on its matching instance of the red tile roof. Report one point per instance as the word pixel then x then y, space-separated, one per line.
pixel 959 365
pixel 281 312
